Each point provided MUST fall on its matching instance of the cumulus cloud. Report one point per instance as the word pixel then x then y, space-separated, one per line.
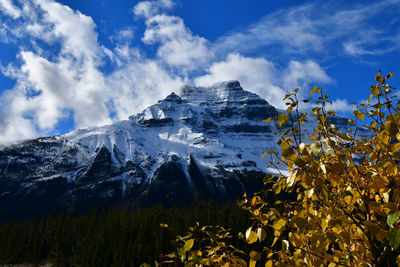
pixel 255 74
pixel 341 105
pixel 133 93
pixel 13 126
pixel 76 30
pixel 301 74
pixel 65 85
pixel 46 90
pixel 49 88
pixel 148 9
pixel 178 46
pixel 59 75
pixel 261 76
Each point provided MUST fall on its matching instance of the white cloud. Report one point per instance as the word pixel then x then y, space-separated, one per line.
pixel 320 27
pixel 46 89
pixel 144 9
pixel 369 45
pixel 138 85
pixel 9 8
pixel 341 105
pixel 262 77
pixel 255 74
pixel 123 36
pixel 51 86
pixel 300 75
pixel 148 9
pixel 290 29
pixel 65 85
pixel 67 80
pixel 14 127
pixel 77 31
pixel 178 47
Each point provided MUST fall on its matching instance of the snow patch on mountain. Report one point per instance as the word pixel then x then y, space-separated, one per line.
pixel 206 141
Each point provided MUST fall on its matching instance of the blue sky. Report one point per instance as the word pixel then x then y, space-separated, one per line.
pixel 71 64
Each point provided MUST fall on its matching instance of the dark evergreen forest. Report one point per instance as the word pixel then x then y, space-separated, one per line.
pixel 114 237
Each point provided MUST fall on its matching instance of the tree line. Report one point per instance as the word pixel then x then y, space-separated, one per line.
pixel 114 237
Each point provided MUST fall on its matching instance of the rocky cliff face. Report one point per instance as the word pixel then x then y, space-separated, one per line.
pixel 202 143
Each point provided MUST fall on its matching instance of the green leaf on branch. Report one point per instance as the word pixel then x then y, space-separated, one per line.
pixel 394 238
pixel 393 218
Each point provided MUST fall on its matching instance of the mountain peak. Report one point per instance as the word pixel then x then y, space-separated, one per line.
pixel 229 85
pixel 222 89
pixel 172 97
pixel 207 142
pixel 223 92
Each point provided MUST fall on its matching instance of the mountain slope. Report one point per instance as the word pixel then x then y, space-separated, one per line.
pixel 206 142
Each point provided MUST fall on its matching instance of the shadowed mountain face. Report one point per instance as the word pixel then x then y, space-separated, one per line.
pixel 204 143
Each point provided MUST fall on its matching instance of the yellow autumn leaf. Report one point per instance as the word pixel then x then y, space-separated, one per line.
pixel 348 199
pixel 282 119
pixel 261 234
pixel 291 178
pixel 313 90
pixel 267 120
pixel 314 148
pixel 188 245
pixel 254 255
pixel 285 245
pixel 279 224
pixel 251 236
pixel 275 239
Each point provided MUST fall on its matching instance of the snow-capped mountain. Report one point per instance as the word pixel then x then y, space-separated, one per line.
pixel 203 143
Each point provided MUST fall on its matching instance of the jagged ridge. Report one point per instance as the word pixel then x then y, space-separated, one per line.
pixel 205 142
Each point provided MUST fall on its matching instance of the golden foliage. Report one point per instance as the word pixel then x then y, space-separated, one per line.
pixel 345 193
pixel 206 246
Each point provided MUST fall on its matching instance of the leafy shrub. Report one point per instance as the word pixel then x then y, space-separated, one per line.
pixel 346 206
